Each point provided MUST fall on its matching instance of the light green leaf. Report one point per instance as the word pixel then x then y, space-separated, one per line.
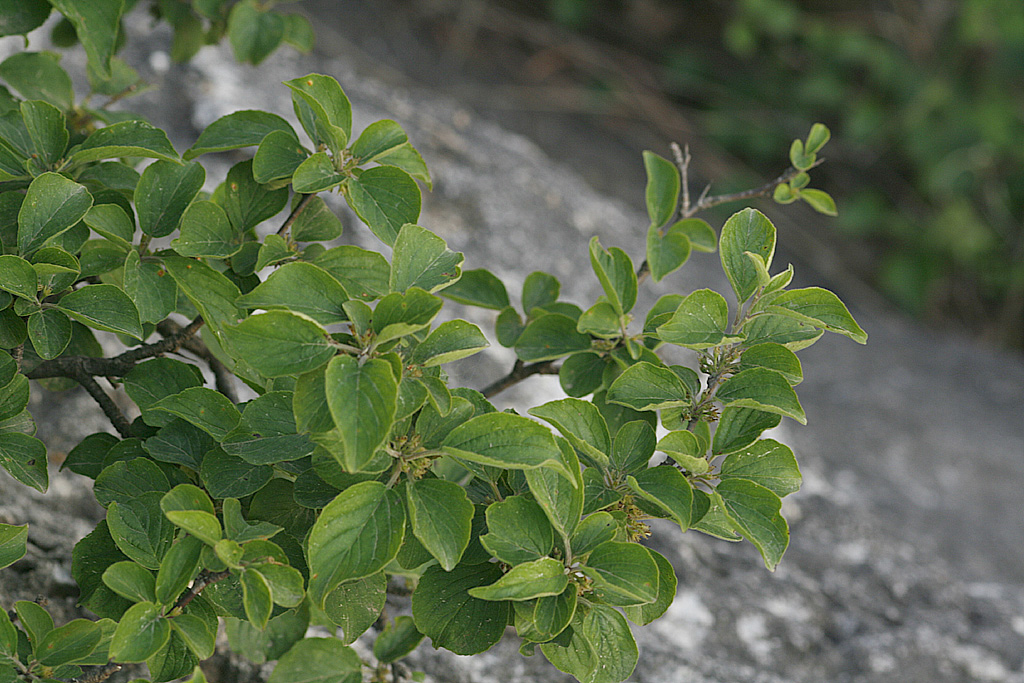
pixel 179 566
pixel 747 230
pixel 199 639
pixel 600 320
pixel 667 488
pixel 279 343
pixel 451 341
pixel 142 631
pixel 422 259
pixel 379 138
pixel 316 174
pixel 517 531
pixel 662 191
pixel 817 138
pixel 820 308
pixel 686 450
pixel 820 201
pixel 766 462
pixel 332 111
pixel 132 138
pixel 278 156
pixel 50 332
pixel 754 511
pixel 774 357
pixel 207 409
pixel 36 75
pixel 623 573
pixel 18 277
pixel 549 337
pixel 356 535
pixel 385 198
pixel 700 322
pixel 441 517
pixel 13 543
pixel 52 205
pixel 762 389
pixel 615 271
pixel 669 251
pixel 559 497
pixel 206 231
pixel 318 660
pixel 131 580
pixel 238 129
pixel 302 288
pixel 539 578
pixel 444 610
pixel 362 400
pixel 645 386
pixel 256 598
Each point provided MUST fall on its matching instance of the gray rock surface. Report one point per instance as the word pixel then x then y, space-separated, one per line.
pixel 906 538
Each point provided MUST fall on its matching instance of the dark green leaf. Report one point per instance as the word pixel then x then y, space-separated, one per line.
pixel 207 409
pixel 549 337
pixel 561 498
pixel 228 476
pixel 143 630
pixel 646 386
pixel 210 292
pixel 302 288
pixel 47 128
pixel 316 174
pixel 385 198
pixel 581 374
pixel 355 606
pixel 451 341
pixel 478 288
pixel 103 307
pixel 331 110
pixel 444 610
pixel 422 259
pixel 754 511
pixel 409 160
pixel 123 481
pixel 378 139
pixel 279 343
pixel 50 332
pixel 317 223
pixel 623 573
pixel 645 614
pixel 90 557
pixel 780 329
pixel 131 580
pixel 398 639
pixel 24 458
pixel 189 507
pixel 270 643
pixel 125 139
pixel 762 389
pixel 156 379
pixel 279 156
pixel 441 516
pixel 238 129
pixel 177 569
pixel 615 650
pixel 517 531
pixel 140 530
pixel 22 16
pixel 52 205
pixel 206 231
pixel 318 660
pixel 362 400
pixel 768 463
pixel 248 203
pixel 669 251
pixel 199 639
pixel 149 286
pixel 595 529
pixel 71 642
pixel 662 191
pixel 774 357
pixel 17 276
pixel 615 271
pixel 256 598
pixel 581 423
pixel 739 427
pixel 667 488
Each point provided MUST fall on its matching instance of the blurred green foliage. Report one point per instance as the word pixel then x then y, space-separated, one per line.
pixel 926 102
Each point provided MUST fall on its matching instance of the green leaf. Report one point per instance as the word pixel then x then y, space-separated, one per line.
pixel 177 569
pixel 539 578
pixel 774 357
pixel 739 427
pixel 784 194
pixel 506 441
pixel 298 32
pixel 595 529
pixel 559 497
pixel 667 488
pixel 517 531
pixel 362 400
pixel 248 203
pixel 378 139
pixel 318 223
pixel 355 606
pixel 238 129
pixel 615 650
pixel 52 205
pixel 111 221
pixel 700 322
pixel 451 341
pixel 274 250
pixel 600 320
pixel 302 288
pixel 582 374
pixel 645 614
pixel 820 308
pixel 385 198
pixel 96 25
pixel 364 274
pixel 623 573
pixel 817 138
pixel 156 379
pixel 132 138
pixel 800 158
pixel 422 259
pixel 398 639
pixel 18 277
pixel 409 160
pixel 686 450
pixel 13 543
pixel 549 337
pixel 582 424
pixel 228 476
pixel 22 16
pixel 210 292
pixel 267 434
pixel 71 642
pixel 35 620
pixel 90 557
pixel 539 290
pixel 124 481
pixel 14 394
pixel 789 332
pixel 356 535
pixel 572 652
pixel 633 446
pixel 207 409
pixel 478 287
pixel 318 660
pixel 615 271
pixel 279 343
pixel 646 386
pixel 149 286
pixel 254 32
pixel 24 458
pixel 47 128
pixel 189 508
pixel 762 389
pixel 329 105
pixel 57 269
pixel 820 201
pixel 140 530
pixel 142 631
pixel 766 462
pixel 279 156
pixel 103 307
pixel 206 231
pixel 256 598
pixel 270 643
pixel 662 191
pixel 443 609
pixel 746 230
pixel 179 443
pixel 285 584
pixel 316 174
pixel 669 251
pixel 441 517
pixel 131 580
pixel 199 639
pixel 701 235
pixel 754 511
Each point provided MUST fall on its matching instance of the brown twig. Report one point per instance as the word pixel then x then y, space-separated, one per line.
pixel 110 409
pixel 296 212
pixel 706 202
pixel 223 378
pixel 99 674
pixel 202 581
pixel 519 372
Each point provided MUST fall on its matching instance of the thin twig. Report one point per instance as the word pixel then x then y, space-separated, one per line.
pixel 683 162
pixel 296 212
pixel 110 409
pixel 706 202
pixel 202 581
pixel 99 674
pixel 519 372
pixel 223 379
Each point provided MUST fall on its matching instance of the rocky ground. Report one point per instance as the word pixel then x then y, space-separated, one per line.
pixel 905 559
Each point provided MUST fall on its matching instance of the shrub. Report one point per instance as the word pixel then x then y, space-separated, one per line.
pixel 357 468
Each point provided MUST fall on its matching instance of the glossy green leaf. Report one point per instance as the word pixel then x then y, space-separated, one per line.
pixel 13 543
pixel 444 610
pixel 766 462
pixel 355 606
pixel 206 231
pixel 662 191
pixel 279 343
pixel 700 322
pixel 142 631
pixel 207 409
pixel 517 531
pixel 356 535
pixel 581 423
pixel 140 530
pixel 441 517
pixel 549 337
pixel 646 386
pixel 362 400
pixel 69 643
pixel 52 205
pixel 667 488
pixel 624 573
pixel 820 308
pixel 318 660
pixel 762 389
pixel 385 198
pixel 24 458
pixel 615 271
pixel 238 129
pixel 747 230
pixel 132 138
pixel 538 578
pixel 302 288
pixel 754 511
pixel 254 32
pixel 131 580
pixel 47 127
